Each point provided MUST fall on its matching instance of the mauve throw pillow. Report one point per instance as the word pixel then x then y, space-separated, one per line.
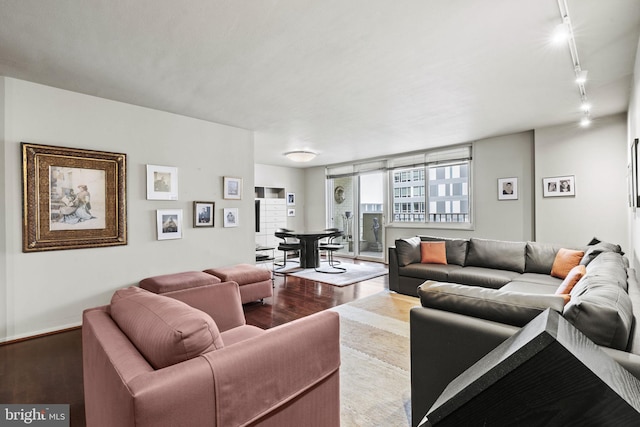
pixel 565 260
pixel 570 281
pixel 165 331
pixel 433 253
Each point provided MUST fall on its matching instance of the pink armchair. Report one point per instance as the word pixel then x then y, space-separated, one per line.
pixel 188 358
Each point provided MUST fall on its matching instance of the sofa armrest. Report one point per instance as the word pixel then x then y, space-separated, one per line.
pixel 256 376
pixel 221 301
pixel 394 270
pixel 443 345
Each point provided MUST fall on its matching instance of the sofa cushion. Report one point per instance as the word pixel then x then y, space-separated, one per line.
pixel 594 250
pixel 570 281
pixel 429 271
pixel 530 287
pixel 565 260
pixel 611 266
pixel 164 330
pixel 480 276
pixel 408 251
pixel 433 253
pixel 513 308
pixel 602 310
pixel 544 279
pixel 456 248
pixel 177 281
pixel 497 254
pixel 540 257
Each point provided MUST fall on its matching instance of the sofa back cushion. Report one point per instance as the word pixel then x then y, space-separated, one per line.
pixel 601 310
pixel 498 254
pixel 408 251
pixel 456 248
pixel 539 257
pixel 164 330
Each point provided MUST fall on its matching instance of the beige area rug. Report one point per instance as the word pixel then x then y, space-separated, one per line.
pixel 375 380
pixel 355 273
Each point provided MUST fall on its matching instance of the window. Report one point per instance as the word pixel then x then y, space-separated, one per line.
pixel 434 188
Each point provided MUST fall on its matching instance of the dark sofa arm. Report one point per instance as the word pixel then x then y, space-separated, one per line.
pixel 394 273
pixel 443 345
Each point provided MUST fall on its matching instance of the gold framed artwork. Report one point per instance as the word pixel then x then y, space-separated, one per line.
pixel 72 198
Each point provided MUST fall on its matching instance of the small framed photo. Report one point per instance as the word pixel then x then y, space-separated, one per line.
pixel 508 188
pixel 559 186
pixel 231 217
pixel 232 188
pixel 169 222
pixel 162 183
pixel 291 212
pixel 203 214
pixel 291 199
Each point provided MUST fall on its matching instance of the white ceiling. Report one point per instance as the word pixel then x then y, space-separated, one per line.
pixel 350 79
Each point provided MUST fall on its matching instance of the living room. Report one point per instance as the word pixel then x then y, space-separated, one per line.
pixel 47 291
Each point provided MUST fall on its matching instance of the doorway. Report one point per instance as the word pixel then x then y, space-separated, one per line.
pixel 356 206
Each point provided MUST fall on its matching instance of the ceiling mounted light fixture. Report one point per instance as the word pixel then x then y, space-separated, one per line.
pixel 581 75
pixel 300 155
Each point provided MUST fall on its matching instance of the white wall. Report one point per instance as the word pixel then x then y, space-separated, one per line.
pixel 47 291
pixel 633 131
pixel 292 180
pixel 493 158
pixel 597 157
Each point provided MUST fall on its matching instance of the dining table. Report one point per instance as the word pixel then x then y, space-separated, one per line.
pixel 309 246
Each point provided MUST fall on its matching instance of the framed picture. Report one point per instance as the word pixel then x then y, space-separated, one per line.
pixel 291 199
pixel 203 214
pixel 231 217
pixel 635 179
pixel 169 223
pixel 232 188
pixel 291 212
pixel 72 198
pixel 559 186
pixel 162 183
pixel 507 188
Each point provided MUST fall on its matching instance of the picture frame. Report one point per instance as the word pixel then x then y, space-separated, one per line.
pixel 203 214
pixel 162 182
pixel 169 224
pixel 635 183
pixel 508 188
pixel 231 218
pixel 291 212
pixel 291 199
pixel 559 186
pixel 72 198
pixel 232 188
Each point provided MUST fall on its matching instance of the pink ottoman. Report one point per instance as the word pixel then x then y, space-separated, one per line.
pixel 255 283
pixel 177 281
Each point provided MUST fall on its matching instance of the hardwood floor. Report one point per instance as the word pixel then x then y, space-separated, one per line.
pixel 49 369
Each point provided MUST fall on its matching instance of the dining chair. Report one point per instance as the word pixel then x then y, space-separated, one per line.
pixel 288 244
pixel 331 246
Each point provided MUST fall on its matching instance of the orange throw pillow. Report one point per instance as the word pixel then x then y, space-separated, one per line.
pixel 433 253
pixel 565 260
pixel 570 281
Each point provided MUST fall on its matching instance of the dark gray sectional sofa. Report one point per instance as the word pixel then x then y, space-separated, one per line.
pixel 489 289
